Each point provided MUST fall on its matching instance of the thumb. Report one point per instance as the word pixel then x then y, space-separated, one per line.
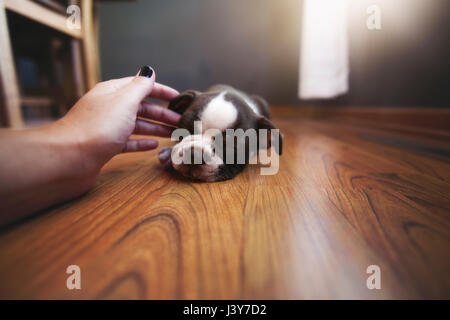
pixel 141 86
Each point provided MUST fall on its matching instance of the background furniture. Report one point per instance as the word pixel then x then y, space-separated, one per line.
pixel 82 64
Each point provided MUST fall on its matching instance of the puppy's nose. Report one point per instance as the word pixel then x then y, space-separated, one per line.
pixel 197 155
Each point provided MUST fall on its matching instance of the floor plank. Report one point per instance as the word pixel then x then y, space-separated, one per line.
pixel 340 202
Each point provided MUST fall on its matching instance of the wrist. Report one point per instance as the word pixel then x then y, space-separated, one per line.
pixel 70 147
pixel 40 167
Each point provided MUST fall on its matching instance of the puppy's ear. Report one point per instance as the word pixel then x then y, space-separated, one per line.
pixel 275 139
pixel 180 103
pixel 262 105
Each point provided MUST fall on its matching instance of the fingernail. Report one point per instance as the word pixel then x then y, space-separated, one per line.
pixel 146 71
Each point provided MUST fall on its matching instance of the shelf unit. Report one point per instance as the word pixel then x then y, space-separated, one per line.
pixel 84 47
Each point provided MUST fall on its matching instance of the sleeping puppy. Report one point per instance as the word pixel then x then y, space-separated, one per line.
pixel 211 148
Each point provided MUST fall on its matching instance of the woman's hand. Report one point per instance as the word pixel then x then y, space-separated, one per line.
pixel 43 166
pixel 107 115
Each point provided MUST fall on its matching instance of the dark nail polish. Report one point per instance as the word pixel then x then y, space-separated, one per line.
pixel 146 71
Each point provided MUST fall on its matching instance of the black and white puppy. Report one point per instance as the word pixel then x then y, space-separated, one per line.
pixel 220 107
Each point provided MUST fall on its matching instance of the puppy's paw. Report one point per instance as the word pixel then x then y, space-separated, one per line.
pixel 164 156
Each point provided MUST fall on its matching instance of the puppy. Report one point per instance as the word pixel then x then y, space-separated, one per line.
pixel 210 148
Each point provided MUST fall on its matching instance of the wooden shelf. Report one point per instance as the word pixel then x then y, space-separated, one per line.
pixel 54 5
pixel 84 44
pixel 37 101
pixel 43 15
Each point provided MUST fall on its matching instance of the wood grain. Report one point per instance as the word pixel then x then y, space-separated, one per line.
pixel 339 203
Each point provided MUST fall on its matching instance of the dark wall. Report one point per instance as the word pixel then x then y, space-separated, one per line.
pixel 250 44
pixel 254 45
pixel 407 62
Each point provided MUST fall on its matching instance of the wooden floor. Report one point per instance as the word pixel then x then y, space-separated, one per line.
pixel 347 195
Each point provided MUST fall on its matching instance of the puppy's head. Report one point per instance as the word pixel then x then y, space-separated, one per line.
pixel 223 128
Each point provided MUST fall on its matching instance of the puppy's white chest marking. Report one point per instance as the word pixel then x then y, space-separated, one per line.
pixel 218 114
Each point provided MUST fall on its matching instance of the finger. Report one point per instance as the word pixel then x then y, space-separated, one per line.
pixel 140 145
pixel 138 88
pixel 163 92
pixel 159 91
pixel 116 84
pixel 155 112
pixel 152 129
